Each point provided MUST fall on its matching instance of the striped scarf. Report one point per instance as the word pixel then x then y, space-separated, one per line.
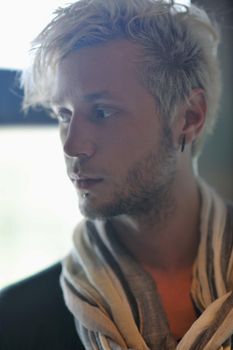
pixel 115 303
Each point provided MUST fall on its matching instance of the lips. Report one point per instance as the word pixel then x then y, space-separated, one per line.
pixel 84 182
pixel 87 183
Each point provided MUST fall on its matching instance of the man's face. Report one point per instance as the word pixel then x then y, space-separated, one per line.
pixel 119 154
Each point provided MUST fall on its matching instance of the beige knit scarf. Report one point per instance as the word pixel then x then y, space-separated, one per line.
pixel 115 303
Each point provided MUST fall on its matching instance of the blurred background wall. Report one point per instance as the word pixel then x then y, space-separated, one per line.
pixel 216 162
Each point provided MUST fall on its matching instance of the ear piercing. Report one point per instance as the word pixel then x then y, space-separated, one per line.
pixel 183 141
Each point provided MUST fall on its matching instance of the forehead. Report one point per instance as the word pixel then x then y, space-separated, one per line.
pixel 92 71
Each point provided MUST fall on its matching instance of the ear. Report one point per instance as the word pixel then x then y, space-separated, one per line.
pixel 192 116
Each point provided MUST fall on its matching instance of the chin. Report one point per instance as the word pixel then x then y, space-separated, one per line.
pixel 104 211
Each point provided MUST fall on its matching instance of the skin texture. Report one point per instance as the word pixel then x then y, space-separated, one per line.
pixel 118 138
pixel 124 160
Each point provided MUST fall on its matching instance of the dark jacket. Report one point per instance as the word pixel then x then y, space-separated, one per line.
pixel 33 315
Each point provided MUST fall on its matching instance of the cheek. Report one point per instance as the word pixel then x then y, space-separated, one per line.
pixel 128 138
pixel 123 154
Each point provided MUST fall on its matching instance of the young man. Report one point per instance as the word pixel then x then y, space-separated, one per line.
pixel 135 86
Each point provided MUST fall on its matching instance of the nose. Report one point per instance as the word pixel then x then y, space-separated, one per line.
pixel 78 139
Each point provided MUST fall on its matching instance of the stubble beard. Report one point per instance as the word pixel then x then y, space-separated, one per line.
pixel 147 191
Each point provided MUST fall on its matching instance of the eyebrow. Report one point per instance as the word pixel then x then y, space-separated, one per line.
pixel 95 96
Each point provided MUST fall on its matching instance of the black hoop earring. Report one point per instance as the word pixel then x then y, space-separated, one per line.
pixel 183 143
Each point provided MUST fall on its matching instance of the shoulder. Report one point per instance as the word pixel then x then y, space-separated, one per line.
pixel 229 205
pixel 33 315
pixel 229 220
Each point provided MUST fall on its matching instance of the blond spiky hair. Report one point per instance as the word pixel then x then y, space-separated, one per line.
pixel 179 46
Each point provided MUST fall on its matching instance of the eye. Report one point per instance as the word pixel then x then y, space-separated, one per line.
pixel 102 113
pixel 63 116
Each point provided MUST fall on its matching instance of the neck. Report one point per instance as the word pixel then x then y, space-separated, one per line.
pixel 170 243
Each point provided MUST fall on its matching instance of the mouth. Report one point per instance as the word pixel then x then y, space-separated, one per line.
pixel 87 183
pixel 84 182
